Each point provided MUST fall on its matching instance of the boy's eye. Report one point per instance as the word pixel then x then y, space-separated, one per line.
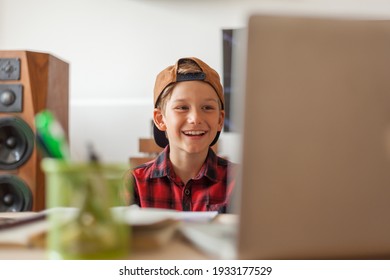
pixel 181 108
pixel 208 107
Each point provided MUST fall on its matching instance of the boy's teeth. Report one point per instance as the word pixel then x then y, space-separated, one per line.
pixel 194 132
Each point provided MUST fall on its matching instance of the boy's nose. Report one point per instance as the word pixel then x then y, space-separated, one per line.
pixel 194 117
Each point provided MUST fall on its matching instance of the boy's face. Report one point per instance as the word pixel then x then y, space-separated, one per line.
pixel 192 117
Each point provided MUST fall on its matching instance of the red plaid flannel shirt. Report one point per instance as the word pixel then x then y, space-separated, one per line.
pixel 156 185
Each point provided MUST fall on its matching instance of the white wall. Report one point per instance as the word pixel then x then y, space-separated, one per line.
pixel 115 49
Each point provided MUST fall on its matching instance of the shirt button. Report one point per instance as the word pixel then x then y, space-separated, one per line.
pixel 187 207
pixel 187 192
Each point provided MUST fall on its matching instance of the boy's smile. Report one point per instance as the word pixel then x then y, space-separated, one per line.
pixel 194 133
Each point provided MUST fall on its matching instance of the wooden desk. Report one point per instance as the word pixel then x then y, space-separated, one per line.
pixel 177 249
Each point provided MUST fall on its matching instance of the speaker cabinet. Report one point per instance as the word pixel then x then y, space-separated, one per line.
pixel 29 82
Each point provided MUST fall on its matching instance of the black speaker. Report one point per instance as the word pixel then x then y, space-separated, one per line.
pixel 29 82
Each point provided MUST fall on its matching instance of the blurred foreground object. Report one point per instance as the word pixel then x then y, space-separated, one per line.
pixel 90 231
pixel 50 136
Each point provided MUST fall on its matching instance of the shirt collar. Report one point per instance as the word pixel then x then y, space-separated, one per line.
pixel 162 165
pixel 209 168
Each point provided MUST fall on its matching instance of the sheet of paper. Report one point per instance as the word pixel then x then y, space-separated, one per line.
pixel 135 215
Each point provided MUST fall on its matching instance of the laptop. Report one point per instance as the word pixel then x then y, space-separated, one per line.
pixel 315 179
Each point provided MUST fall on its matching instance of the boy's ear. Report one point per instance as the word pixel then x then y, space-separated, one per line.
pixel 221 119
pixel 158 119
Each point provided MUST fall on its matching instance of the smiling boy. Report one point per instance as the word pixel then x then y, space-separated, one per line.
pixel 188 118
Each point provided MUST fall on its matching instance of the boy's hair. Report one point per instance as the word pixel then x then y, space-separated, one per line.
pixel 185 69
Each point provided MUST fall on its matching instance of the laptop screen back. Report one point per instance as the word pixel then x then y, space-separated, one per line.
pixel 316 139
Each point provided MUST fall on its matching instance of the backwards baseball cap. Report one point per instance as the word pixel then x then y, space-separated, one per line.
pixel 171 76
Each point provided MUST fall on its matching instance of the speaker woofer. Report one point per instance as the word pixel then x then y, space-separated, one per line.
pixel 15 195
pixel 16 142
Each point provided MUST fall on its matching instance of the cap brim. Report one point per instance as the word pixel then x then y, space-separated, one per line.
pixel 159 137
